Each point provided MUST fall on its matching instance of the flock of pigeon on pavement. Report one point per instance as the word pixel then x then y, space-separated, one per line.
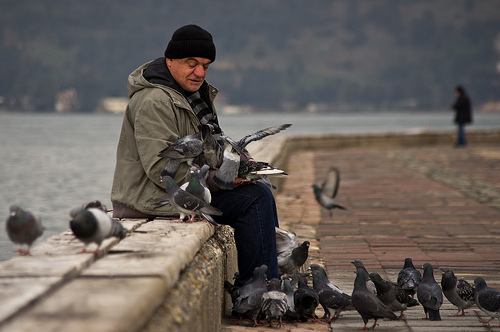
pixel 289 298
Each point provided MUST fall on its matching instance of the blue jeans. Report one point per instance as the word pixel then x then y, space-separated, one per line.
pixel 461 134
pixel 251 210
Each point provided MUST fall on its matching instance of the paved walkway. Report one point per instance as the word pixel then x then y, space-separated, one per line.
pixel 434 204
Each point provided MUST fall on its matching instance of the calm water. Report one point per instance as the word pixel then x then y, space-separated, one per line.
pixel 52 163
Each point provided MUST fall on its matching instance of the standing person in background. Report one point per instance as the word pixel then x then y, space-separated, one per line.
pixel 169 98
pixel 463 114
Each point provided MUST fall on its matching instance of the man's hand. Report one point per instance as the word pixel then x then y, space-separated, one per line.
pixel 240 182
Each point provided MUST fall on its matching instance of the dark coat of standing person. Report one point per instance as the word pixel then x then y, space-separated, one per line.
pixel 170 99
pixel 463 114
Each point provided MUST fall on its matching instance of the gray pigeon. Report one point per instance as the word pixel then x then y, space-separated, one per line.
pixel 306 300
pixel 325 195
pixel 93 225
pixel 291 256
pixel 409 277
pixel 366 303
pixel 187 204
pixel 247 301
pixel 429 294
pixel 316 267
pixel 252 171
pixel 333 302
pixel 274 303
pixel 392 295
pixel 23 228
pixel 197 184
pixel 458 291
pixel 369 284
pixel 184 149
pixel 487 299
pixel 213 145
pixel 234 152
pixel 291 313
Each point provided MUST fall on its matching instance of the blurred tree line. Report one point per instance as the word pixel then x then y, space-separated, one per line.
pixel 375 54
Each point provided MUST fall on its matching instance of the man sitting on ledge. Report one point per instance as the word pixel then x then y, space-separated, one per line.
pixel 161 110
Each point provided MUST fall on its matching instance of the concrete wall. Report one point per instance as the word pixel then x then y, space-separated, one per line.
pixel 164 275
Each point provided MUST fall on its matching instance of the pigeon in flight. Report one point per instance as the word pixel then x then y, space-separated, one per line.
pixel 487 299
pixel 429 294
pixel 458 291
pixel 333 302
pixel 184 149
pixel 392 295
pixel 306 300
pixel 187 204
pixel 366 303
pixel 274 303
pixel 23 228
pixel 291 255
pixel 93 225
pixel 409 277
pixel 325 195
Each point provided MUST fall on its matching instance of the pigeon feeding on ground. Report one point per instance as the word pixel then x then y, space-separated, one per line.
pixel 458 291
pixel 369 284
pixel 409 277
pixel 429 294
pixel 274 303
pixel 248 297
pixel 197 184
pixel 23 228
pixel 234 152
pixel 487 299
pixel 184 149
pixel 366 303
pixel 93 225
pixel 291 256
pixel 333 302
pixel 291 313
pixel 316 267
pixel 187 204
pixel 392 295
pixel 325 195
pixel 306 300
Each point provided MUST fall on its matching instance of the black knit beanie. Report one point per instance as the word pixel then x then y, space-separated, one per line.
pixel 191 41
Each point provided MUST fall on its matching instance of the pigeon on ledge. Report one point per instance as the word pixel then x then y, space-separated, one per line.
pixel 23 228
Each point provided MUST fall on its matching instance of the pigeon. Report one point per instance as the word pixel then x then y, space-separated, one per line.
pixel 325 195
pixel 392 295
pixel 316 267
pixel 252 170
pixel 94 225
pixel 369 284
pixel 429 294
pixel 196 185
pixel 291 313
pixel 333 302
pixel 487 299
pixel 187 204
pixel 274 303
pixel 23 228
pixel 458 291
pixel 409 277
pixel 248 298
pixel 184 149
pixel 213 145
pixel 306 300
pixel 234 152
pixel 366 303
pixel 291 256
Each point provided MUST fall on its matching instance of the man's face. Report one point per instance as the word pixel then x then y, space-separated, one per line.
pixel 189 73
